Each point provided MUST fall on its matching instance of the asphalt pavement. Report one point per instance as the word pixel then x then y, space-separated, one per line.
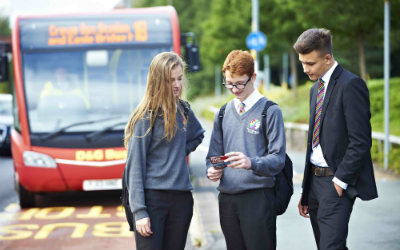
pixel 7 182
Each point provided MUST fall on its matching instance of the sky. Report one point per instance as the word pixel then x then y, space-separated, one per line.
pixel 12 8
pixel 4 7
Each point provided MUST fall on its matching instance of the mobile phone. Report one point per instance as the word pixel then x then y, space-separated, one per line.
pixel 218 161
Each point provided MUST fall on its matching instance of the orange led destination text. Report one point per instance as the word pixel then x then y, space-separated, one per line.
pixel 97 34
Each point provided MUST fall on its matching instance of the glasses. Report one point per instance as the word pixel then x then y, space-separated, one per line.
pixel 229 85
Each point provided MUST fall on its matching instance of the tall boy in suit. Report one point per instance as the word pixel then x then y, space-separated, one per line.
pixel 338 161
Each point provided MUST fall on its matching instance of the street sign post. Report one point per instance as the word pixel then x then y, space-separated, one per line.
pixel 256 40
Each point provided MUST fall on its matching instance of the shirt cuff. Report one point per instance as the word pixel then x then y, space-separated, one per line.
pixel 141 214
pixel 340 183
pixel 253 164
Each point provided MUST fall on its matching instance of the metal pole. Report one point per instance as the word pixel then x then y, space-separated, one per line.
pixel 285 68
pixel 255 27
pixel 386 76
pixel 267 73
pixel 217 89
pixel 127 3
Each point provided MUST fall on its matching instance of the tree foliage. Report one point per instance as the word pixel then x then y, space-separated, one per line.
pixel 222 25
pixel 4 27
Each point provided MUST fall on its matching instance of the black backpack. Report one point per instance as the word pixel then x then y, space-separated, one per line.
pixel 125 192
pixel 284 180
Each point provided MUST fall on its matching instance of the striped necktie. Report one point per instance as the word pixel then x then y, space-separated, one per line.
pixel 318 111
pixel 241 108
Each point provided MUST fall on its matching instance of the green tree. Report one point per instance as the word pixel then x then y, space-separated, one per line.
pixel 227 28
pixel 352 22
pixel 4 27
pixel 222 25
pixel 284 28
pixel 5 87
pixel 191 14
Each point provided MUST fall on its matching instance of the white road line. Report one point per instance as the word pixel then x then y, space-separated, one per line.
pixel 12 207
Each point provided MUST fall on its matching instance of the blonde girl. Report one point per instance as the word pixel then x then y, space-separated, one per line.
pixel 159 136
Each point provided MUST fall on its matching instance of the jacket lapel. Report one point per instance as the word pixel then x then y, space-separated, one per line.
pixel 332 82
pixel 313 102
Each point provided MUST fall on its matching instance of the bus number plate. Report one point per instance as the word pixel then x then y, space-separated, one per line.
pixel 109 184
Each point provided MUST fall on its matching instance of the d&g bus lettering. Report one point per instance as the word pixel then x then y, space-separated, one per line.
pixel 100 155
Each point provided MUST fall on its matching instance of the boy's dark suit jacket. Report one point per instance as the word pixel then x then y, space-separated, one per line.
pixel 345 135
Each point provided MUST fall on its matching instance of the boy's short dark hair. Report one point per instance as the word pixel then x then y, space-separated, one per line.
pixel 314 39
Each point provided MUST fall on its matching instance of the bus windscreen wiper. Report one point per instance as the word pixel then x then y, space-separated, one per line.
pixel 96 134
pixel 63 129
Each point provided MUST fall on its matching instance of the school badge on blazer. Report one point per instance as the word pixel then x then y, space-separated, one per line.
pixel 254 126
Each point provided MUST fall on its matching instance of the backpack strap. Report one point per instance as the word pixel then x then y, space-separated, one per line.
pixel 264 119
pixel 221 117
pixel 186 108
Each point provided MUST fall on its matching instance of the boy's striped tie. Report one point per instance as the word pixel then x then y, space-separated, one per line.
pixel 241 108
pixel 318 111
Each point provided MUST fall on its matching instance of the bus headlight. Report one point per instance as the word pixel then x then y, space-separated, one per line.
pixel 34 159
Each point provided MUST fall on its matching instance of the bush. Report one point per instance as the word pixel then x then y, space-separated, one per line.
pixel 293 109
pixel 4 87
pixel 376 90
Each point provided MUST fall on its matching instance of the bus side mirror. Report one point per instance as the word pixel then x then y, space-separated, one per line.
pixel 3 68
pixel 192 57
pixel 4 49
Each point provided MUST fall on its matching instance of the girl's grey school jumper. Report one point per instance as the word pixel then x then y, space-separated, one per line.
pixel 155 163
pixel 242 133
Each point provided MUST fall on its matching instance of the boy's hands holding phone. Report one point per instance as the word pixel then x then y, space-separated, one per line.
pixel 218 162
pixel 214 174
pixel 231 159
pixel 238 160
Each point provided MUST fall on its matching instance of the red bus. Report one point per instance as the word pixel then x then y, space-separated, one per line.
pixel 77 80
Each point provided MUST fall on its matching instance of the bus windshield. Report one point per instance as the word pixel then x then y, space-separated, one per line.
pixel 73 86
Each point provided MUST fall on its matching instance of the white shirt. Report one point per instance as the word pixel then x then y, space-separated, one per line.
pixel 249 102
pixel 317 157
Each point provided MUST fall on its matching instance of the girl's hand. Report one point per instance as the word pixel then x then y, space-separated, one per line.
pixel 143 227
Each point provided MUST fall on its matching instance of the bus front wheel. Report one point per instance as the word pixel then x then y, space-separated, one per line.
pixel 26 198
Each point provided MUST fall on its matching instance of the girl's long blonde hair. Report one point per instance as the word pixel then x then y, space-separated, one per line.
pixel 159 98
